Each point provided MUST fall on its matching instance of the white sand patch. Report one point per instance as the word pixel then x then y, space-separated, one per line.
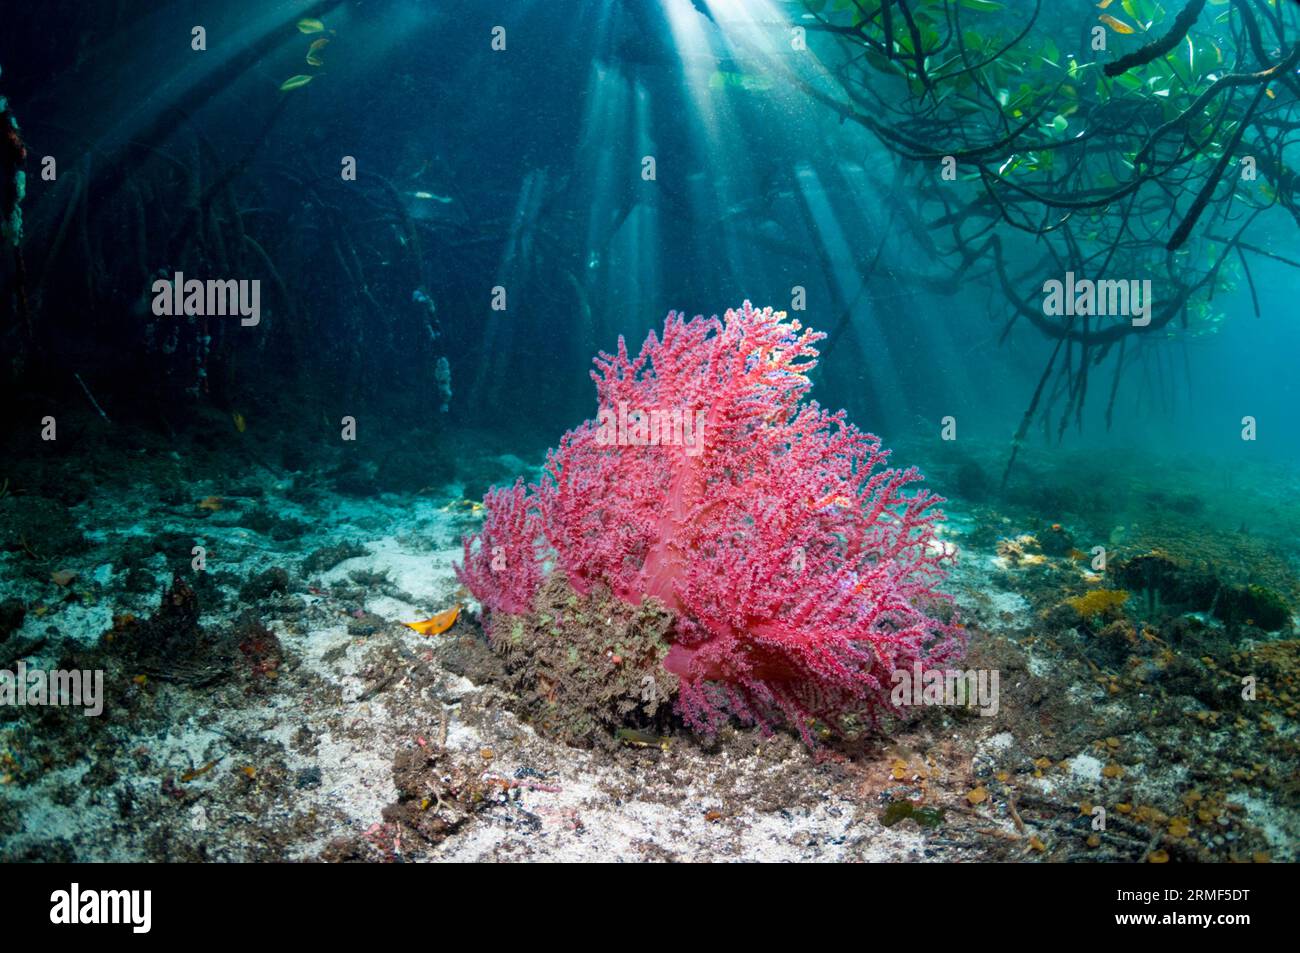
pixel 1085 767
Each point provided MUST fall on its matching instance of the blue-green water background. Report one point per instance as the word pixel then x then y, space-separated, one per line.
pixel 539 148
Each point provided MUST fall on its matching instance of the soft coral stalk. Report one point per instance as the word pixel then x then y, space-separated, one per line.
pixel 800 568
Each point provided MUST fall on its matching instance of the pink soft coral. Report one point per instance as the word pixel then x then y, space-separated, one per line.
pixel 800 573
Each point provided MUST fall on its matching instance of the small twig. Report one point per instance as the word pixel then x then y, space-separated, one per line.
pixel 1015 815
pixel 995 832
pixel 27 548
pixel 91 397
pixel 376 688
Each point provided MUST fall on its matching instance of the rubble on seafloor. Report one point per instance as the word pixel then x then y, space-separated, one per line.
pixel 272 705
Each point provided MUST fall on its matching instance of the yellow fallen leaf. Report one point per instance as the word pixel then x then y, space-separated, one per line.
pixel 437 624
pixel 1119 26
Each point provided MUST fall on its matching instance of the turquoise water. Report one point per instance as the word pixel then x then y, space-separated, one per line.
pixel 289 288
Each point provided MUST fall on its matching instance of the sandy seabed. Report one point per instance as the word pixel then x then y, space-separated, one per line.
pixel 363 740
